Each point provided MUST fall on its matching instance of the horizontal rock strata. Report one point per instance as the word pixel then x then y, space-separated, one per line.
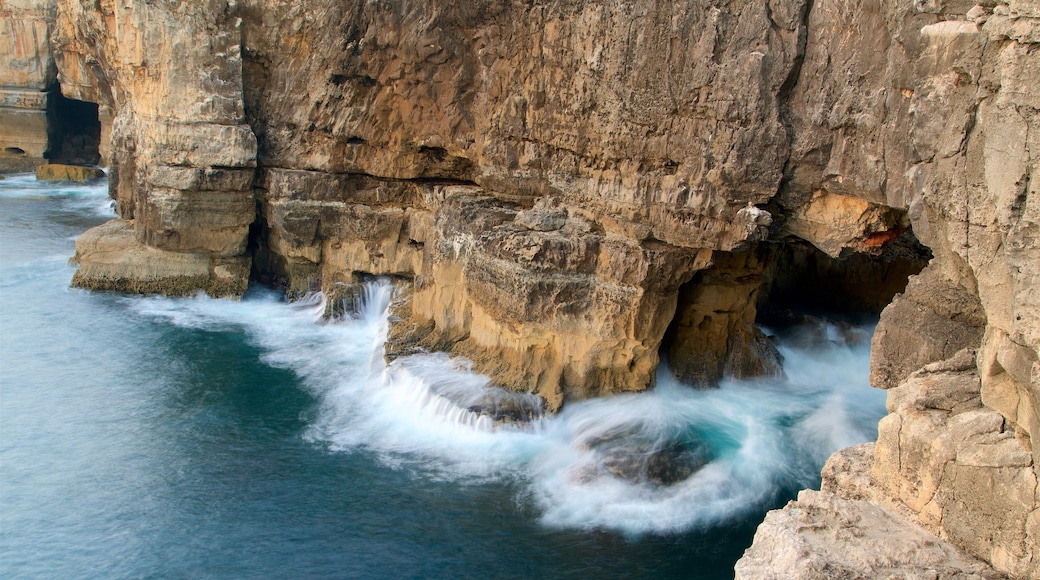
pixel 957 453
pixel 567 190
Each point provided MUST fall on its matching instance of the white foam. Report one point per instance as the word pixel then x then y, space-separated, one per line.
pixel 763 436
pixel 92 196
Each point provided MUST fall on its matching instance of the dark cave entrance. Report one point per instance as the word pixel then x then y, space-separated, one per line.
pixel 73 131
pixel 800 280
pixel 716 330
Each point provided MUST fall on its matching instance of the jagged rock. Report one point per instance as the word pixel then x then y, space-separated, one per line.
pixel 837 223
pixel 933 319
pixel 507 407
pixel 822 536
pixel 182 156
pixel 557 214
pixel 638 458
pixel 713 334
pixel 111 258
pixel 957 466
pixel 58 172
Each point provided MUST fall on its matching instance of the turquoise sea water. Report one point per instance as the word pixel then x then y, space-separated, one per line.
pixel 197 438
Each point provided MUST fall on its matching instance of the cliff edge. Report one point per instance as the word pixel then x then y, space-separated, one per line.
pixel 567 192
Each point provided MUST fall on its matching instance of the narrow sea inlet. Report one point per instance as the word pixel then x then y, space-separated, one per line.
pixel 156 437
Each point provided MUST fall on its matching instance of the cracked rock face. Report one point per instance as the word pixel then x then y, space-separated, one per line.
pixel 564 186
pixel 951 133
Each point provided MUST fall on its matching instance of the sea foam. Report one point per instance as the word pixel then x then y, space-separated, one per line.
pixel 737 449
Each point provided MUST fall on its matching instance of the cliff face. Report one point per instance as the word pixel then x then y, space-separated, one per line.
pixel 942 114
pixel 26 68
pixel 567 188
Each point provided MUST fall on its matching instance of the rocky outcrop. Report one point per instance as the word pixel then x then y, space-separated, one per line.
pixel 38 124
pixel 26 73
pixel 955 143
pixel 59 172
pixel 957 466
pixel 566 190
pixel 824 536
pixel 553 233
pixel 111 258
pixel 183 157
pixel 547 221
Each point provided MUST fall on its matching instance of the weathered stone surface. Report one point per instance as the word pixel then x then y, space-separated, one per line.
pixel 822 536
pixel 713 333
pixel 838 224
pixel 933 319
pixel 560 181
pixel 58 172
pixel 171 76
pixel 430 91
pixel 939 116
pixel 26 72
pixel 957 467
pixel 112 259
pixel 567 313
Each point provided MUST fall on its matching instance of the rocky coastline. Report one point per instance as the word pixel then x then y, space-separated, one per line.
pixel 568 192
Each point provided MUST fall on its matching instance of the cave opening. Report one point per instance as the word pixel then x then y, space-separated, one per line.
pixel 73 131
pixel 716 331
pixel 800 280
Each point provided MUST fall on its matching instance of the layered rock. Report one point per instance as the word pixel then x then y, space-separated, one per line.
pixel 182 155
pixel 37 122
pixel 539 204
pixel 26 73
pixel 564 188
pixel 59 172
pixel 822 535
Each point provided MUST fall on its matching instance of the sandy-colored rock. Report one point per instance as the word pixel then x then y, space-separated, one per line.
pixel 561 184
pixel 713 332
pixel 674 129
pixel 929 116
pixel 59 172
pixel 567 313
pixel 182 156
pixel 838 224
pixel 958 467
pixel 112 259
pixel 823 536
pixel 933 319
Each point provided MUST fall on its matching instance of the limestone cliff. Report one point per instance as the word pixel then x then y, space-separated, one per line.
pixel 938 114
pixel 37 122
pixel 26 69
pixel 567 189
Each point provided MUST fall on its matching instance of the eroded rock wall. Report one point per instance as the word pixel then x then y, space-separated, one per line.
pixel 26 73
pixel 183 157
pixel 646 133
pixel 950 133
pixel 562 185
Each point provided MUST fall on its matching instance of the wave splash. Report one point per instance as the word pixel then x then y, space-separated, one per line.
pixel 661 461
pixel 92 197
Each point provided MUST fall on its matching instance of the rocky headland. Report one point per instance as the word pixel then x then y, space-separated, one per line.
pixel 566 192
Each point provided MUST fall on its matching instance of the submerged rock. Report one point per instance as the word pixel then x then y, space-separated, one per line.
pixel 507 411
pixel 639 458
pixel 501 406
